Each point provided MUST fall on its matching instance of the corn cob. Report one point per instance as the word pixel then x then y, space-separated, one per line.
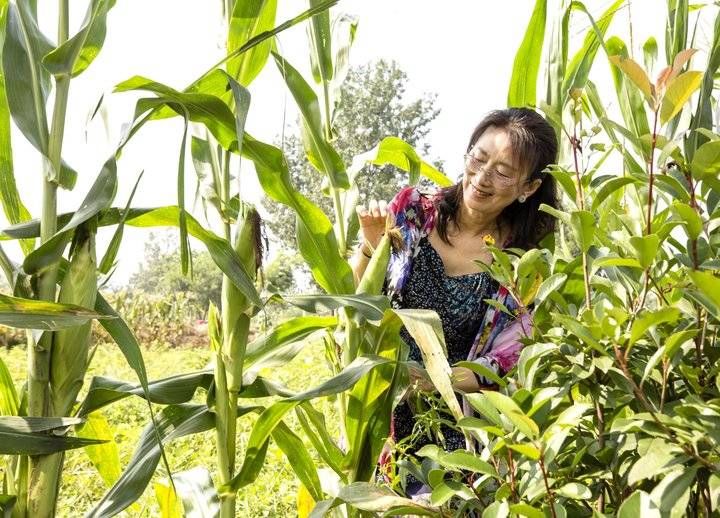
pixel 70 346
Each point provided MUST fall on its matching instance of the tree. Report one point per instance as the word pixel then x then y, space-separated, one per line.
pixel 371 108
pixel 161 274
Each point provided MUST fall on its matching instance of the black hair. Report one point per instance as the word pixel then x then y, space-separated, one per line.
pixel 535 147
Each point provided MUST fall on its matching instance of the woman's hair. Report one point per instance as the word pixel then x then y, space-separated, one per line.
pixel 534 146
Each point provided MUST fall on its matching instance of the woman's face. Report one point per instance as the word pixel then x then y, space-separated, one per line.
pixel 493 178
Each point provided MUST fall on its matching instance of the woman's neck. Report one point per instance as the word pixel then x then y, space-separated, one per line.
pixel 475 222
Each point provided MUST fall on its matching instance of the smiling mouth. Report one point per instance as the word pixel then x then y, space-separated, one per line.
pixel 480 192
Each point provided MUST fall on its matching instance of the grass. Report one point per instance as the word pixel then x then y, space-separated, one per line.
pixel 273 493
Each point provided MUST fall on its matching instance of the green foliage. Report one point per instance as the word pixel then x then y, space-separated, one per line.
pixel 371 107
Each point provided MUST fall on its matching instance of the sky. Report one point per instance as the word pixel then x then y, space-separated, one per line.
pixel 461 50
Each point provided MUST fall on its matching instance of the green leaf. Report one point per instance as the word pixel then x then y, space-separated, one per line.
pixel 299 458
pixel 38 435
pixel 497 510
pixel 658 455
pixel 691 219
pixel 371 307
pixel 9 402
pixel 99 197
pixel 549 285
pixel 651 318
pixel 465 460
pixel 671 495
pixel 526 450
pixel 13 207
pixel 397 152
pixel 316 238
pixel 650 52
pixel 523 81
pixel 26 81
pixel 678 93
pixel 75 55
pixel 426 329
pixel 646 248
pixel 509 409
pixel 319 151
pixel 575 491
pixel 168 500
pixel 482 371
pixel 220 250
pixel 320 45
pixel 371 400
pixel 37 314
pixel 579 67
pixel 583 225
pixel 207 170
pixel 706 160
pixel 709 287
pixel 269 419
pixel 197 492
pixel 481 403
pixel 105 457
pixel 610 187
pixel 174 422
pixel 560 215
pixel 113 248
pixel 526 510
pixel 638 504
pixel 248 20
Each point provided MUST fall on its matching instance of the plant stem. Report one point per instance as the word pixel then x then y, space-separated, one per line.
pixel 600 414
pixel 44 470
pixel 651 173
pixel 550 496
pixel 580 200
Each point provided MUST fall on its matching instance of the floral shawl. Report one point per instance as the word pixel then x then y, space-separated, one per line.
pixel 496 344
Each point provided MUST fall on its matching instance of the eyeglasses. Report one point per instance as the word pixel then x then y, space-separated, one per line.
pixel 475 165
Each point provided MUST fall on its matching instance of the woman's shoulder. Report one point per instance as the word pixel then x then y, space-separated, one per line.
pixel 414 206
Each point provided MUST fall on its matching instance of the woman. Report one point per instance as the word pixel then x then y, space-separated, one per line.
pixel 496 201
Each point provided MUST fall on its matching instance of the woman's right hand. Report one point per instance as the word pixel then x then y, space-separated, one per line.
pixel 372 221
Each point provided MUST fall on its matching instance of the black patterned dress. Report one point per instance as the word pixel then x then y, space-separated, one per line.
pixel 459 302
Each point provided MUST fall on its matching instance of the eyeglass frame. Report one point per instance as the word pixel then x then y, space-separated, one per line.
pixel 492 174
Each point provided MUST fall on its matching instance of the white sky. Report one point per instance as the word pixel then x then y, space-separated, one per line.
pixel 462 50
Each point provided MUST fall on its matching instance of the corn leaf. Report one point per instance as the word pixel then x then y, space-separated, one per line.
pixel 371 400
pixel 197 492
pixel 48 316
pixel 557 63
pixel 9 402
pixel 371 307
pixel 38 435
pixel 220 250
pixel 523 82
pixel 13 207
pixel 27 82
pixel 299 458
pixel 248 20
pixel 397 152
pixel 77 53
pixel 269 419
pixel 319 151
pixel 173 422
pixel 99 197
pixel 320 45
pixel 316 238
pixel 113 248
pixel 105 457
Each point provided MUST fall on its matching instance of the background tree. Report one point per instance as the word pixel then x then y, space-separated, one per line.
pixel 371 108
pixel 161 273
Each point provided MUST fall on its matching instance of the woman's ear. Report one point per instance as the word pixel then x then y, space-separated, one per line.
pixel 531 187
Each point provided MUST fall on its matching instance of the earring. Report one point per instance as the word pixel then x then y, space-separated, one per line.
pixel 522 198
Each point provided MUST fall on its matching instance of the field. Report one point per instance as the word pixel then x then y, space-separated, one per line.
pixel 273 494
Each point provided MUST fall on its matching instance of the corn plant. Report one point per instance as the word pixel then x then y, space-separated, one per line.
pixel 36 423
pixel 612 409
